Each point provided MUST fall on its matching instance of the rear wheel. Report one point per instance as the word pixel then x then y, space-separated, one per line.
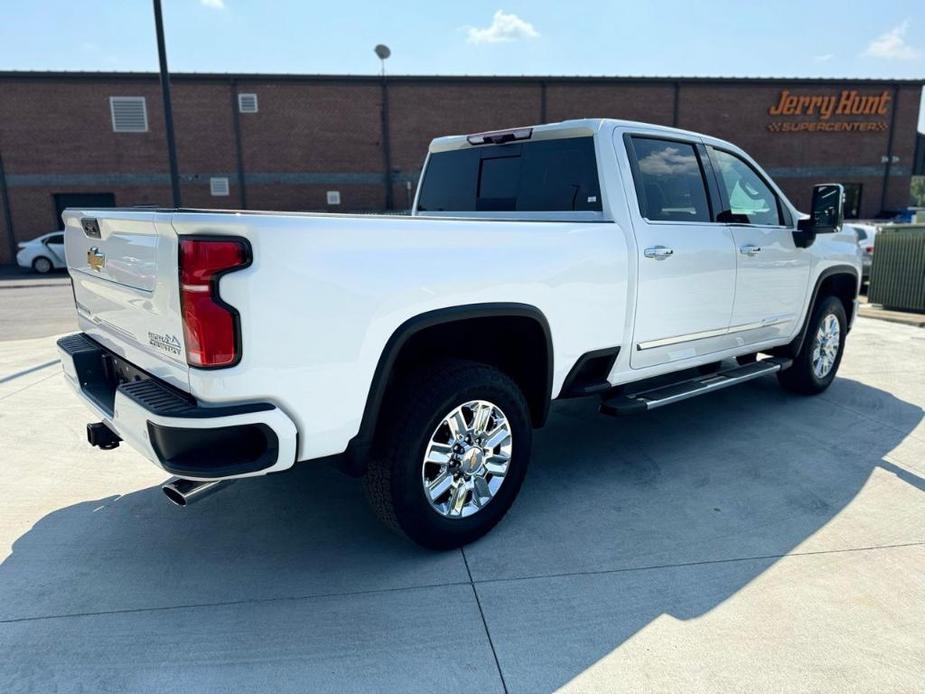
pixel 817 363
pixel 42 265
pixel 453 454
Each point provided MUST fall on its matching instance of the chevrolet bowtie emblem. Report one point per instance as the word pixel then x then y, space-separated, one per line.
pixel 95 259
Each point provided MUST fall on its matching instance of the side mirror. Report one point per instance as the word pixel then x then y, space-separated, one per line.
pixel 828 210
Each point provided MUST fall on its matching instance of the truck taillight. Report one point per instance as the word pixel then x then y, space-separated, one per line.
pixel 870 250
pixel 210 326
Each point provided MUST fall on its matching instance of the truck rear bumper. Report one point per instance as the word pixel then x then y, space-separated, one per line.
pixel 170 428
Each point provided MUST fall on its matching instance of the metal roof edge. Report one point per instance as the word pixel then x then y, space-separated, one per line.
pixel 500 79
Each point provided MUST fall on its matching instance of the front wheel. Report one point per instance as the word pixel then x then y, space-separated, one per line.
pixel 816 364
pixel 454 454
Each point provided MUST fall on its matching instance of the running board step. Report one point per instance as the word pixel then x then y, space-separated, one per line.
pixel 622 404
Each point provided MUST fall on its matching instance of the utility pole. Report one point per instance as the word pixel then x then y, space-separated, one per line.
pixel 239 153
pixel 168 110
pixel 382 52
pixel 7 213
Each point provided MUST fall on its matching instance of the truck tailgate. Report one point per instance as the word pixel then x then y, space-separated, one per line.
pixel 123 264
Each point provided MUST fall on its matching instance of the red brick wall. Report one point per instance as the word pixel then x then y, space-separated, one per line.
pixel 312 127
pixel 203 127
pixel 309 197
pixel 739 113
pixel 420 112
pixel 316 134
pixel 651 103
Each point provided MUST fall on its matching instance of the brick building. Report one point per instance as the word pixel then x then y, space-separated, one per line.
pixel 315 142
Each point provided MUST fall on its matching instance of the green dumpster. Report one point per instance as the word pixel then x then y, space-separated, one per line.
pixel 897 275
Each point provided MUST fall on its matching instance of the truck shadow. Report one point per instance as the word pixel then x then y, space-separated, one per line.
pixel 734 480
pixel 674 512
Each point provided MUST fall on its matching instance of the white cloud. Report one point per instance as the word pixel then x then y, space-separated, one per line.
pixel 214 4
pixel 892 45
pixel 504 27
pixel 824 58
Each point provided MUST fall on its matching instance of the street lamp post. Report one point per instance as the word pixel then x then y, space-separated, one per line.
pixel 382 52
pixel 168 110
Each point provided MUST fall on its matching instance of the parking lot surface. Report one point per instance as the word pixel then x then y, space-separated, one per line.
pixel 746 540
pixel 36 307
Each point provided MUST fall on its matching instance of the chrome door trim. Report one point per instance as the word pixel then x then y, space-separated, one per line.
pixel 690 337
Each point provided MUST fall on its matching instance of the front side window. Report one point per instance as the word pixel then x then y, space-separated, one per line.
pixel 57 238
pixel 669 181
pixel 748 195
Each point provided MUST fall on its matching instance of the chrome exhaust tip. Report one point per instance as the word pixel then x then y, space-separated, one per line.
pixel 183 492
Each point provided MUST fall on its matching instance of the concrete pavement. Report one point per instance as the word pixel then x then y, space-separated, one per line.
pixel 869 310
pixel 13 276
pixel 749 539
pixel 36 311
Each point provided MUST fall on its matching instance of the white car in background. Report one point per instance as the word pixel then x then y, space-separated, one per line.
pixel 866 234
pixel 43 254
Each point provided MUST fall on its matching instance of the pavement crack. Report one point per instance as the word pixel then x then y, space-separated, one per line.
pixel 26 387
pixel 478 602
pixel 705 562
pixel 471 582
pixel 232 603
pixel 31 369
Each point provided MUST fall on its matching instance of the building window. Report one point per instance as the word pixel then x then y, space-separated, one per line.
pixel 333 197
pixel 129 114
pixel 218 186
pixel 247 103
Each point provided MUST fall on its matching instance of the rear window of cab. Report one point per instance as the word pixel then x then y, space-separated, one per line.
pixel 538 176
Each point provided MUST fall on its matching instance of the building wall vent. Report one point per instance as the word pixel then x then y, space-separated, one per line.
pixel 247 103
pixel 333 197
pixel 218 186
pixel 129 114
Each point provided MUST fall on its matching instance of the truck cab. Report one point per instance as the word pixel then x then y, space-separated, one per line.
pixel 716 264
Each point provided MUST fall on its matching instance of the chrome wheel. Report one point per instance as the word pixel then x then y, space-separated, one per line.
pixel 825 346
pixel 42 265
pixel 467 459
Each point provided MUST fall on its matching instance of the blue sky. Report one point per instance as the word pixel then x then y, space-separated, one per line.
pixel 671 37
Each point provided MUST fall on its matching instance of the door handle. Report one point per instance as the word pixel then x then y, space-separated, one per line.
pixel 750 249
pixel 658 252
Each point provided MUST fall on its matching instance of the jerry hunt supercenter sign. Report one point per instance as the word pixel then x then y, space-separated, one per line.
pixel 823 113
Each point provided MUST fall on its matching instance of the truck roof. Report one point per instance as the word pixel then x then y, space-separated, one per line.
pixel 576 127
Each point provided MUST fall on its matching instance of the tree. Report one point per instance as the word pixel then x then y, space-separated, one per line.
pixel 917 191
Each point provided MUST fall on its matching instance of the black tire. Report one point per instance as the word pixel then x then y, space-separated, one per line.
pixel 393 480
pixel 42 265
pixel 801 378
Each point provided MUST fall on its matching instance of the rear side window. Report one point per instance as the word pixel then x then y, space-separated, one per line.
pixel 539 176
pixel 669 181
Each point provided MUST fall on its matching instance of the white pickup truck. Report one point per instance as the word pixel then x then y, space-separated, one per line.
pixel 634 263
